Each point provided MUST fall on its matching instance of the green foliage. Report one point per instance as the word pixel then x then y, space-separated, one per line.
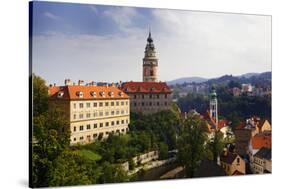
pixel 89 154
pixel 194 101
pixel 216 145
pixel 159 127
pixel 55 163
pixel 233 84
pixel 191 143
pixel 132 164
pixel 234 109
pixel 112 173
pixel 70 169
pixel 163 150
pixel 39 95
pixel 50 134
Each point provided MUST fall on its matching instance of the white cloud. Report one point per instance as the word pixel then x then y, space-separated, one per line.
pixel 125 18
pixel 52 16
pixel 212 44
pixel 94 9
pixel 187 44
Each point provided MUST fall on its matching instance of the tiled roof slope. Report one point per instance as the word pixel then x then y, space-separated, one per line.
pixel 71 92
pixel 229 158
pixel 146 87
pixel 264 153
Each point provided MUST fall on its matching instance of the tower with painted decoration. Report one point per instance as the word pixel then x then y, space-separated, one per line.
pixel 150 62
pixel 214 106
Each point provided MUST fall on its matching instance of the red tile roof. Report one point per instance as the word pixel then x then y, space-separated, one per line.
pixel 71 92
pixel 228 158
pixel 146 87
pixel 222 123
pixel 261 140
pixel 211 122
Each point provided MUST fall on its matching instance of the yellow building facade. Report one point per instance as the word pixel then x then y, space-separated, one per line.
pixel 93 111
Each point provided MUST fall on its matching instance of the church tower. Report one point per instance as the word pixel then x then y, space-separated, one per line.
pixel 214 106
pixel 150 62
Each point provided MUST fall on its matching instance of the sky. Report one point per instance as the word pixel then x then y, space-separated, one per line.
pixel 106 43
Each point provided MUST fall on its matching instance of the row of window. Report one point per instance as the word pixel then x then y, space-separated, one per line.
pixel 100 114
pixel 99 104
pixel 97 135
pixel 100 125
pixel 258 161
pixel 258 169
pixel 149 104
pixel 150 96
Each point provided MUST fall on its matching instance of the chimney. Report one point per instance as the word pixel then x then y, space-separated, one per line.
pixel 80 82
pixel 54 84
pixel 50 85
pixel 67 82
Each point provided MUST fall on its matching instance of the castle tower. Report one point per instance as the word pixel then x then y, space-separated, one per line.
pixel 214 106
pixel 150 62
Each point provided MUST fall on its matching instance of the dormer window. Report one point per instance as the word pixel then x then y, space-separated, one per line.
pixel 111 94
pixel 102 94
pixel 79 94
pixel 93 94
pixel 60 94
pixel 121 94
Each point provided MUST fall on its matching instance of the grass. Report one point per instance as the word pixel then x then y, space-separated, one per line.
pixel 89 154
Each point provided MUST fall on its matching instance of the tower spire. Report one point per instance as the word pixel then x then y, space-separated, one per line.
pixel 149 39
pixel 150 61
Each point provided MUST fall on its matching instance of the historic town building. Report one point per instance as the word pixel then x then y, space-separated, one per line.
pixel 252 128
pixel 150 95
pixel 262 161
pixel 232 163
pixel 150 61
pixel 92 111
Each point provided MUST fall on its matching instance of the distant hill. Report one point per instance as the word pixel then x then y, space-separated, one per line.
pixel 187 80
pixel 253 78
pixel 248 75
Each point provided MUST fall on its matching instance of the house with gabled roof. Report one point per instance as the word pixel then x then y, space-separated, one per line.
pixel 262 161
pixel 232 163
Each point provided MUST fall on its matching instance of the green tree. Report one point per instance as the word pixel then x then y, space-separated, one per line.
pixel 39 95
pixel 216 145
pixel 50 134
pixel 191 143
pixel 112 173
pixel 132 164
pixel 70 169
pixel 163 150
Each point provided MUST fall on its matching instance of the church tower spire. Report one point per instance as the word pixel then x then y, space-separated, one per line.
pixel 214 106
pixel 150 61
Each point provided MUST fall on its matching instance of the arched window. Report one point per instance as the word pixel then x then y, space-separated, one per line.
pixel 151 72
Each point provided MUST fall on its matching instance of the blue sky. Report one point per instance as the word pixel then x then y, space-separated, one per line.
pixel 106 43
